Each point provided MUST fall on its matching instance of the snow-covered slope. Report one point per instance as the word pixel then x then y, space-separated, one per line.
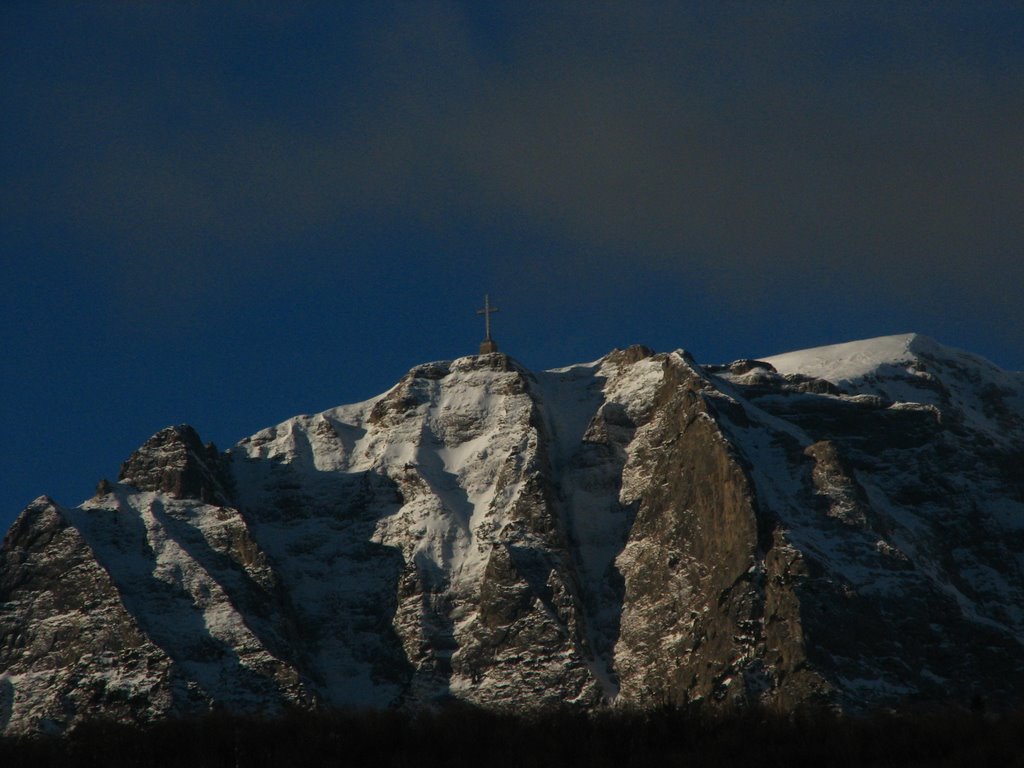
pixel 851 362
pixel 843 524
pixel 911 368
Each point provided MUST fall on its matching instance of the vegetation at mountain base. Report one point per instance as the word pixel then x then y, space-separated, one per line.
pixel 462 735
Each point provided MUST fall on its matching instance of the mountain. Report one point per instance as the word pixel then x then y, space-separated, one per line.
pixel 841 526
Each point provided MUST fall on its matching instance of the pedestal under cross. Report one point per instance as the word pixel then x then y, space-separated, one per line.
pixel 488 345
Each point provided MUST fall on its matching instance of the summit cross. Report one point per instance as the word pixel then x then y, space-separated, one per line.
pixel 487 311
pixel 488 345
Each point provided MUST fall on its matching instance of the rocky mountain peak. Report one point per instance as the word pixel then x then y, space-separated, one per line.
pixel 841 526
pixel 176 462
pixel 631 354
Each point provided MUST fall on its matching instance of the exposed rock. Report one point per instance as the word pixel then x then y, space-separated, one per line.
pixel 746 366
pixel 629 355
pixel 69 644
pixel 810 529
pixel 176 462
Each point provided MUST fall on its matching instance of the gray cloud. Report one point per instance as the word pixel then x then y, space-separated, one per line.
pixel 883 149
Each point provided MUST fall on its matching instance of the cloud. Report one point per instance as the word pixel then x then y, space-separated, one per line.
pixel 755 147
pixel 914 168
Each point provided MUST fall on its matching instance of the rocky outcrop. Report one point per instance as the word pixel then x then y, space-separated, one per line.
pixel 695 568
pixel 176 462
pixel 836 527
pixel 69 643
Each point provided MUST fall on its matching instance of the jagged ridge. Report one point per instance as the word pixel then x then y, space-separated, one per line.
pixel 842 525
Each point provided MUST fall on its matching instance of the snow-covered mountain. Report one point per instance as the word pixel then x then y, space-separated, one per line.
pixel 842 525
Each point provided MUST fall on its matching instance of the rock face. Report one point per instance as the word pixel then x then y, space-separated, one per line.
pixel 175 462
pixel 841 526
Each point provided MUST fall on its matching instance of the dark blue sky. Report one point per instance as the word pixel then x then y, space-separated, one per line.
pixel 227 214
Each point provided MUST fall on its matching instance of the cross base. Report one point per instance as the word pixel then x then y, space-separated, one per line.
pixel 488 346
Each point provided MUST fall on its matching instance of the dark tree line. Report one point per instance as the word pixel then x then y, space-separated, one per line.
pixel 467 737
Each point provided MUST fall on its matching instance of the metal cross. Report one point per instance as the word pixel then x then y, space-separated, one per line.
pixel 486 312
